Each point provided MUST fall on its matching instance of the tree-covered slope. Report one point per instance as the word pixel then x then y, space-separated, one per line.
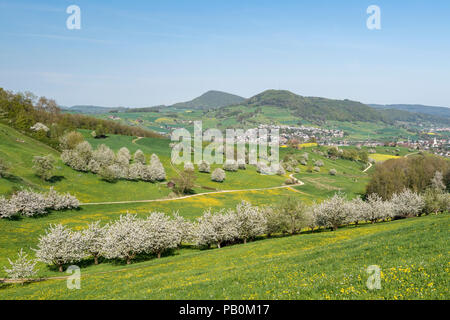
pixel 316 109
pixel 416 108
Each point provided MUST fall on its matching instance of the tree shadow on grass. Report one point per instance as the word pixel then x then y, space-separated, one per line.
pixel 55 179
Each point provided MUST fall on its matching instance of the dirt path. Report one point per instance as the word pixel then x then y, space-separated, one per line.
pixel 300 183
pixel 370 166
pixel 136 140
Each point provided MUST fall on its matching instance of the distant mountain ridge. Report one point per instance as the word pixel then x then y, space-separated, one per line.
pixel 417 108
pixel 93 109
pixel 211 100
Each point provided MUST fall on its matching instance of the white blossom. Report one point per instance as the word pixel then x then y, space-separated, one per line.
pixel 157 169
pixel 139 157
pixel 230 165
pixel 218 175
pixel 216 228
pixel 92 238
pixel 204 167
pixel 407 204
pixel 332 212
pixel 125 238
pixel 7 208
pixel 60 246
pixel 161 233
pixel 22 268
pixel 29 203
pixel 250 221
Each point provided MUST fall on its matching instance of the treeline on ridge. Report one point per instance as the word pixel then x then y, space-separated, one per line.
pixel 415 173
pixel 24 110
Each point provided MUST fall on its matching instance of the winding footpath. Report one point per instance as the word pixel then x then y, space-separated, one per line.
pixel 300 183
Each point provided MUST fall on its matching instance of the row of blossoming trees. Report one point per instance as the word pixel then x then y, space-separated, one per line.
pixel 131 236
pixel 111 166
pixel 28 203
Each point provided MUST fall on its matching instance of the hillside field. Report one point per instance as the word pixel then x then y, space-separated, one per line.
pixel 326 265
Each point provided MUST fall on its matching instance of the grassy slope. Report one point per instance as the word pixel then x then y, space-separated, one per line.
pixel 326 265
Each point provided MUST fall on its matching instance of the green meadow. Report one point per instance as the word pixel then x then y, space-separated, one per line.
pixel 411 254
pixel 322 265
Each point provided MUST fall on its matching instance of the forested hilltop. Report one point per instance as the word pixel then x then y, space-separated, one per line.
pixel 42 119
pixel 316 109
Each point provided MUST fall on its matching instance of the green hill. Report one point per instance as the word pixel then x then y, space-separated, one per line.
pixel 315 109
pixel 211 100
pixel 319 109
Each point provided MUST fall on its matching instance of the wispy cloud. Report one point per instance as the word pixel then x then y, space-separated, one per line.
pixel 60 37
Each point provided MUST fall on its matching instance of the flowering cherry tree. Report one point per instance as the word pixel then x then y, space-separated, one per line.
pixel 216 228
pixel 92 238
pixel 332 212
pixel 21 268
pixel 60 246
pixel 250 221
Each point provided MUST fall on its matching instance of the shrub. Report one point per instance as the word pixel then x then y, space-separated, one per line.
pixel 70 140
pixel 280 170
pixel 218 175
pixel 289 168
pixel 318 163
pixel 7 208
pixel 204 167
pixel 230 165
pixel 242 166
pixel 290 181
pixel 333 172
pixel 43 166
pixel 188 166
pixel 60 246
pixel 22 268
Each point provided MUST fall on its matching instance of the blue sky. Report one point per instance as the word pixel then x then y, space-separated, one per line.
pixel 144 53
